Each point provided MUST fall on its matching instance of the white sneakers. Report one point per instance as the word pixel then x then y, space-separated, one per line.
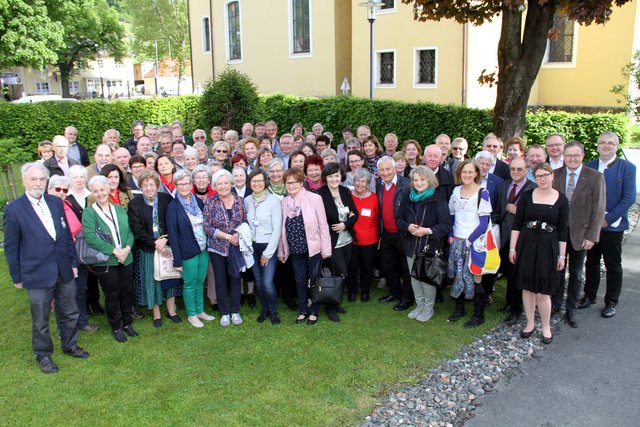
pixel 195 322
pixel 205 316
pixel 236 319
pixel 224 320
pixel 422 313
pixel 414 313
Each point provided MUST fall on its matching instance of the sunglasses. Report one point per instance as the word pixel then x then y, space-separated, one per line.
pixel 61 190
pixel 221 151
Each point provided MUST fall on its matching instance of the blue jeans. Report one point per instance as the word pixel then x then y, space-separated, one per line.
pixel 264 279
pixel 303 267
pixel 220 265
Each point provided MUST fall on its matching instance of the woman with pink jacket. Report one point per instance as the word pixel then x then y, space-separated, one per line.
pixel 305 238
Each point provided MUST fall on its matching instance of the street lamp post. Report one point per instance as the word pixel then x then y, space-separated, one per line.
pixel 99 62
pixel 371 6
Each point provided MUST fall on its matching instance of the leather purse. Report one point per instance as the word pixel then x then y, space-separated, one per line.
pixel 88 255
pixel 430 267
pixel 326 290
pixel 163 268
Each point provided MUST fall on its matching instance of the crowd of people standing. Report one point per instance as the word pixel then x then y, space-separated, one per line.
pixel 254 215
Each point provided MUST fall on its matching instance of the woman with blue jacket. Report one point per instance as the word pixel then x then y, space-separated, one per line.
pixel 188 241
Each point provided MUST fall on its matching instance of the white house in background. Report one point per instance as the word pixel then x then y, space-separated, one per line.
pixel 168 81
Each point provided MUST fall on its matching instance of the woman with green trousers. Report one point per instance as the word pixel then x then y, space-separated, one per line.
pixel 189 243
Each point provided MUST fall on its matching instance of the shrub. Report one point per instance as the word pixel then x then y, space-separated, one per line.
pixel 229 101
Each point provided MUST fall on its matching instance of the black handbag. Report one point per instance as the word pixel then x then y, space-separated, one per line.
pixel 325 290
pixel 86 254
pixel 430 267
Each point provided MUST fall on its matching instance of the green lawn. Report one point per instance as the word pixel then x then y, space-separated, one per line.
pixel 328 374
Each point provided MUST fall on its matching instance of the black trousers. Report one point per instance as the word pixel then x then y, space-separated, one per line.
pixel 609 248
pixel 513 294
pixel 40 299
pixel 394 266
pixel 285 282
pixel 576 279
pixel 361 267
pixel 117 286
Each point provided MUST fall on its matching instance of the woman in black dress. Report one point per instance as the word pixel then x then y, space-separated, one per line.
pixel 538 248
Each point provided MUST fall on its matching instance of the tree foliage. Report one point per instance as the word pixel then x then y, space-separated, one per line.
pixel 229 100
pixel 630 89
pixel 27 35
pixel 520 49
pixel 164 22
pixel 89 26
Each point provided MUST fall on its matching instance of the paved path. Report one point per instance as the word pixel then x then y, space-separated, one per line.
pixel 589 376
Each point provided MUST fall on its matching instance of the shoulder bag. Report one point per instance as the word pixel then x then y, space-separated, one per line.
pixel 430 267
pixel 163 268
pixel 326 290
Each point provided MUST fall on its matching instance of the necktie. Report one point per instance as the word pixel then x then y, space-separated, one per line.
pixel 512 193
pixel 571 186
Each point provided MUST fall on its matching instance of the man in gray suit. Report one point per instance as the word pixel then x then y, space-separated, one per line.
pixel 585 189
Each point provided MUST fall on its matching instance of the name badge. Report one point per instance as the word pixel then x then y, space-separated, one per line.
pixel 255 222
pixel 63 223
pixel 365 212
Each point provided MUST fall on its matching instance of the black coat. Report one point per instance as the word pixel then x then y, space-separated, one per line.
pixel 505 218
pixel 84 155
pixel 331 211
pixel 433 213
pixel 446 183
pixel 502 170
pixel 141 222
pixel 402 191
pixel 54 169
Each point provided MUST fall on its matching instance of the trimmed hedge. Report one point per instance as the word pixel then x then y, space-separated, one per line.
pixel 32 123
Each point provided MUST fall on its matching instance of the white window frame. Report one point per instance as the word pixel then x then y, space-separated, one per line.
pixel 226 33
pixel 379 85
pixel 390 10
pixel 40 88
pixel 204 26
pixel 574 53
pixel 292 54
pixel 72 84
pixel 416 68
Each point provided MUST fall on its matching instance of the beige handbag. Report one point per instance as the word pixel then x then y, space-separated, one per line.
pixel 163 268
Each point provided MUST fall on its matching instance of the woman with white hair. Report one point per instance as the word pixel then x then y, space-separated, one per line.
pixel 231 138
pixel 223 214
pixel 275 184
pixel 203 152
pixel 190 159
pixel 220 152
pixel 241 189
pixel 106 229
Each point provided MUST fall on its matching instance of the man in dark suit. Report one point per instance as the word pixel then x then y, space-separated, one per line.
pixel 508 196
pixel 42 258
pixel 392 190
pixel 584 187
pixel 60 163
pixel 433 160
pixel 493 145
pixel 76 150
pixel 137 130
pixel 620 182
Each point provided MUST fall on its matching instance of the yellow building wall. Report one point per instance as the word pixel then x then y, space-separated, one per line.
pixel 265 48
pixel 398 30
pixel 202 68
pixel 602 52
pixel 482 54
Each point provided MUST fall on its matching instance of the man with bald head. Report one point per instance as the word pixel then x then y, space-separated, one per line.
pixel 362 133
pixel 121 158
pixel 433 160
pixel 144 145
pixel 103 156
pixel 60 163
pixel 76 151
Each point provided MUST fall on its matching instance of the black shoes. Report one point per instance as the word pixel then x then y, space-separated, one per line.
pixel 275 319
pixel 262 317
pixel 389 298
pixel 555 309
pixel 77 352
pixel 340 309
pixel 243 298
pixel 512 317
pixel 586 302
pixel 251 300
pixel 364 297
pixel 291 305
pixel 402 305
pixel 157 323
pixel 333 315
pixel 609 311
pixel 137 314
pixel 351 297
pixel 130 331
pixel 46 365
pixel 312 321
pixel 174 318
pixel 474 322
pixel 89 328
pixel 571 319
pixel 301 319
pixel 118 334
pixel 547 340
pixel 526 335
pixel 457 315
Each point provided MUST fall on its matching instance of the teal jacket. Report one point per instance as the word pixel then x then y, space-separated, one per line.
pixel 91 221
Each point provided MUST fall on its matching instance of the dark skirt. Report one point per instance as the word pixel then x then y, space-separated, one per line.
pixel 536 261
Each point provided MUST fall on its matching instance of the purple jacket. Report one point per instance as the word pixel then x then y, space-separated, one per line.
pixel 216 218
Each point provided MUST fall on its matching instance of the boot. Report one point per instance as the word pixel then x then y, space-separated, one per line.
pixel 479 301
pixel 459 311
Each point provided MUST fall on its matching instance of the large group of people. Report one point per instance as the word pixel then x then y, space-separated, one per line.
pixel 252 217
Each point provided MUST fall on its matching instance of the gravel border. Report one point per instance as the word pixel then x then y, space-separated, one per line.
pixel 450 392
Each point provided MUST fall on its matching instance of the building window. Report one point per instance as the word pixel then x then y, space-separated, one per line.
pixel 42 88
pixel 100 62
pixel 425 67
pixel 206 35
pixel 300 26
pixel 233 31
pixel 561 44
pixel 386 68
pixel 74 87
pixel 387 4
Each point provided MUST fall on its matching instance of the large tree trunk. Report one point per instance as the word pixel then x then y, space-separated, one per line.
pixel 519 59
pixel 65 72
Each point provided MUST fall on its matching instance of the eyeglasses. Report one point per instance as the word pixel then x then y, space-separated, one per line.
pixel 276 171
pixel 457 148
pixel 351 162
pixel 543 176
pixel 221 151
pixel 606 143
pixel 183 184
pixel 292 183
pixel 61 190
pixel 492 146
pixel 257 181
pixel 516 169
pixel 573 156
